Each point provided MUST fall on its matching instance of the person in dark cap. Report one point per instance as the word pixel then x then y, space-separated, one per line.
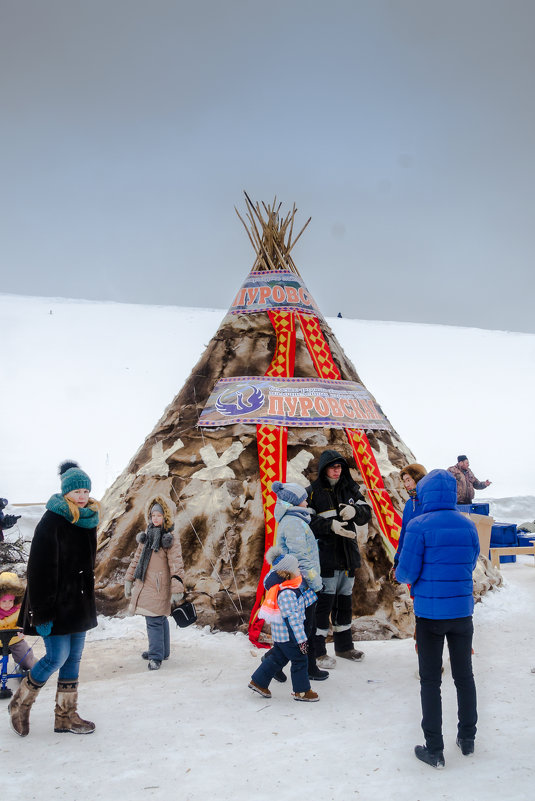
pixel 340 509
pixel 6 521
pixel 467 483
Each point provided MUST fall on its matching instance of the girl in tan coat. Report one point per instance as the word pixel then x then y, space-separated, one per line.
pixel 153 582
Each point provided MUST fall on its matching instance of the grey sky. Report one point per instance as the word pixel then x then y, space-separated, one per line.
pixel 405 128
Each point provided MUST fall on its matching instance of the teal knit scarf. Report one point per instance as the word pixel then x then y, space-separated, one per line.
pixel 88 517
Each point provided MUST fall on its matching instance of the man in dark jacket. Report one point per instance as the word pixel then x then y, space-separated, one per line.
pixel 6 521
pixel 340 508
pixel 438 558
pixel 467 483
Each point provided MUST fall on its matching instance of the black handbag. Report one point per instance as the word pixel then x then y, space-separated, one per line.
pixel 185 614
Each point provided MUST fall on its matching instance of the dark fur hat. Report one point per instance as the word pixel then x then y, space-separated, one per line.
pixel 415 471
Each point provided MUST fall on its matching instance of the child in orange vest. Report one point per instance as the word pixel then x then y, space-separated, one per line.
pixel 284 608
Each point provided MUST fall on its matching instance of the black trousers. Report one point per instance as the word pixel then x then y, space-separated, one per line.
pixel 430 635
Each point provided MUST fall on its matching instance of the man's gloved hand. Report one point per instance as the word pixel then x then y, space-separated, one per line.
pixel 303 647
pixel 127 589
pixel 342 531
pixel 176 597
pixel 44 629
pixel 347 511
pixel 9 520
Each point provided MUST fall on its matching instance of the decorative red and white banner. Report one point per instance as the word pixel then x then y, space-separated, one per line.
pixel 276 290
pixel 299 402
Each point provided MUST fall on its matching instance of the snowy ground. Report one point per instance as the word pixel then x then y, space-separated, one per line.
pixel 89 381
pixel 194 731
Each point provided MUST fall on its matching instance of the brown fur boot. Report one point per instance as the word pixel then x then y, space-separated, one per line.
pixel 21 703
pixel 66 716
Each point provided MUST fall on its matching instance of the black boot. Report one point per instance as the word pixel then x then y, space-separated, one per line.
pixel 314 672
pixel 435 759
pixel 466 746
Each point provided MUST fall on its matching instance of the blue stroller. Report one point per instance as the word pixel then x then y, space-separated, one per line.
pixel 5 636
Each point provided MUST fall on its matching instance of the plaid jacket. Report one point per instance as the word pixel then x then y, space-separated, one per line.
pixel 292 607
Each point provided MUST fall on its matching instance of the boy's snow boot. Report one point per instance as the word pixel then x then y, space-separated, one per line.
pixel 326 661
pixel 353 654
pixel 145 655
pixel 256 688
pixel 21 703
pixel 435 759
pixel 318 675
pixel 280 675
pixel 66 717
pixel 309 695
pixel 154 664
pixel 466 746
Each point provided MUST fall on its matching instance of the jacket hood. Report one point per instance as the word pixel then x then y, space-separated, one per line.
pixel 437 490
pixel 330 457
pixel 169 511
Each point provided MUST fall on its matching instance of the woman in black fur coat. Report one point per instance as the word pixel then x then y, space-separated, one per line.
pixel 59 603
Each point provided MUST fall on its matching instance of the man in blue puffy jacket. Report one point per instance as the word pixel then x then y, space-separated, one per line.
pixel 438 558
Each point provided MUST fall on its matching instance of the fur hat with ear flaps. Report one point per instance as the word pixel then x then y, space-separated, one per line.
pixel 11 584
pixel 168 511
pixel 415 471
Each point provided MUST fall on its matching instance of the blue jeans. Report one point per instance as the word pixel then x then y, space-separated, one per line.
pixel 430 636
pixel 278 656
pixel 158 634
pixel 63 653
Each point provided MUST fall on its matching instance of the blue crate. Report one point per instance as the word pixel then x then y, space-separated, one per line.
pixel 474 508
pixel 480 508
pixel 503 534
pixel 525 539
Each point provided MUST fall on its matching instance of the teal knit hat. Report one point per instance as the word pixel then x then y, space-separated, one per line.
pixel 73 478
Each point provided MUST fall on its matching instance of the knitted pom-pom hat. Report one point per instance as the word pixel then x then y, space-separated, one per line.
pixel 73 477
pixel 291 493
pixel 281 561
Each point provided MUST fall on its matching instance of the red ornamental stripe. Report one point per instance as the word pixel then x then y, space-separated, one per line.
pixel 389 520
pixel 272 446
pixel 387 517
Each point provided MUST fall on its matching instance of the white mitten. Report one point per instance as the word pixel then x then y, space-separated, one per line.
pixel 347 511
pixel 341 530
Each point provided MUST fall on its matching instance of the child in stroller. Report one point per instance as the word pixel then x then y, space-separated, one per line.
pixel 11 593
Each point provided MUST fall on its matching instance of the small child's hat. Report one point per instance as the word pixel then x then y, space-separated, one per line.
pixel 291 493
pixel 282 561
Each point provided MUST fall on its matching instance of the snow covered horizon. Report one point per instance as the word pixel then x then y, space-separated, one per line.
pixel 89 380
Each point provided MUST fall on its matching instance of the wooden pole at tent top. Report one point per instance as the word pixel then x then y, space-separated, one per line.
pixel 271 236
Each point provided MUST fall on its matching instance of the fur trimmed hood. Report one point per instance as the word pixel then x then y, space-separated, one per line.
pixel 11 584
pixel 169 513
pixel 415 471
